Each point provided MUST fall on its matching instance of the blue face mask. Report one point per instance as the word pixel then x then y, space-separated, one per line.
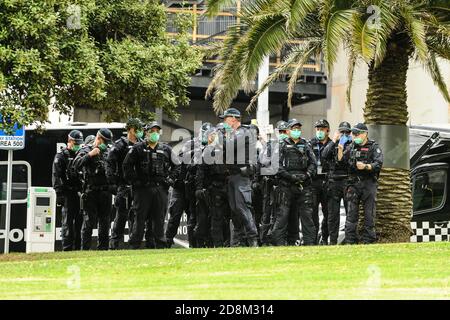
pixel 295 134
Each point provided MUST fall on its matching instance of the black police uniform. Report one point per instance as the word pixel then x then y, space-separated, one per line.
pixel 96 197
pixel 213 212
pixel 150 171
pixel 362 189
pixel 239 146
pixel 183 193
pixel 269 155
pixel 319 187
pixel 67 184
pixel 123 198
pixel 337 184
pixel 294 199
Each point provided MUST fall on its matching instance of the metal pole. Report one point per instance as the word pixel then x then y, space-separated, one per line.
pixel 262 114
pixel 8 199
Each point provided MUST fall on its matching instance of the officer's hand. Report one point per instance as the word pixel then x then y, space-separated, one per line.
pixel 299 177
pixel 94 152
pixel 170 182
pixel 337 136
pixel 360 165
pixel 113 189
pixel 60 200
pixel 199 193
pixel 256 186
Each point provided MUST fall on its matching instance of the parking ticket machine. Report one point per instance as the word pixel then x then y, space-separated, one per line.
pixel 41 216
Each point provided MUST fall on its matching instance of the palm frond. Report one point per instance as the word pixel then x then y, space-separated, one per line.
pixel 299 10
pixel 433 69
pixel 337 28
pixel 265 37
pixel 352 62
pixel 416 31
pixel 214 6
pixel 296 54
pixel 314 48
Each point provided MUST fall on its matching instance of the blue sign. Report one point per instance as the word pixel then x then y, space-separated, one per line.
pixel 14 141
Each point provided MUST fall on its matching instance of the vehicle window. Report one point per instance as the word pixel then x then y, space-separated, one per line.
pixel 429 190
pixel 19 185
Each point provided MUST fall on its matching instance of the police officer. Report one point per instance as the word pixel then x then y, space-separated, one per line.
pixel 123 198
pixel 257 180
pixel 213 212
pixel 240 158
pixel 319 184
pixel 96 197
pixel 337 177
pixel 89 140
pixel 294 199
pixel 365 160
pixel 269 181
pixel 66 182
pixel 184 187
pixel 151 169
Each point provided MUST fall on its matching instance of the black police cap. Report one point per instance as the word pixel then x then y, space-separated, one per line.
pixel 77 136
pixel 231 112
pixel 153 124
pixel 105 134
pixel 344 126
pixel 89 139
pixel 294 122
pixel 360 127
pixel 134 123
pixel 206 126
pixel 282 125
pixel 322 123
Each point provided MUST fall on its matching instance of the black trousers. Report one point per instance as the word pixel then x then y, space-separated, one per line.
pixel 150 205
pixel 257 205
pixel 268 201
pixel 97 210
pixel 293 205
pixel 177 205
pixel 213 216
pixel 72 220
pixel 365 192
pixel 320 197
pixel 123 208
pixel 336 193
pixel 239 193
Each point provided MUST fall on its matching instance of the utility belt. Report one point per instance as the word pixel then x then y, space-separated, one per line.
pixel 337 177
pixel 97 188
pixel 352 179
pixel 245 170
pixel 150 184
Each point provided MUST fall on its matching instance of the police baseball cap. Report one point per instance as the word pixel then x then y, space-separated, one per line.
pixel 77 136
pixel 153 124
pixel 294 122
pixel 360 127
pixel 105 134
pixel 345 126
pixel 134 123
pixel 231 112
pixel 89 139
pixel 206 126
pixel 282 125
pixel 322 123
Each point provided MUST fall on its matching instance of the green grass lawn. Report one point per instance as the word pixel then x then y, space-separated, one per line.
pixel 394 271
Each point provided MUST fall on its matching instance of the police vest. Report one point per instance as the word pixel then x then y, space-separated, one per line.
pixel 295 157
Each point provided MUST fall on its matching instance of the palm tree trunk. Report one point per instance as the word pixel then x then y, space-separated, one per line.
pixel 386 105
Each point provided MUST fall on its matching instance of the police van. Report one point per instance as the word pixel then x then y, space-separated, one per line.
pixel 32 166
pixel 430 163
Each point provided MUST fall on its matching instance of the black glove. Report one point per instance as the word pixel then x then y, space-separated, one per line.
pixel 299 177
pixel 256 186
pixel 60 200
pixel 170 182
pixel 113 189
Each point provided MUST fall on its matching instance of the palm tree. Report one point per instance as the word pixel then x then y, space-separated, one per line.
pixel 400 30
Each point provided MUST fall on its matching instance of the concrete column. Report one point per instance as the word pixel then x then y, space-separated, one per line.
pixel 262 113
